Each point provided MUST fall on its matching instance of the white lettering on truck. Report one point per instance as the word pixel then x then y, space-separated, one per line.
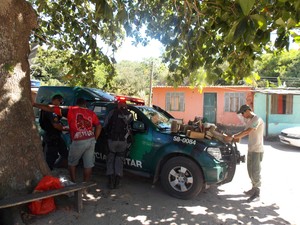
pixel 184 140
pixel 127 161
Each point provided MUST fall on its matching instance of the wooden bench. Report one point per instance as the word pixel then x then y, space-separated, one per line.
pixel 76 188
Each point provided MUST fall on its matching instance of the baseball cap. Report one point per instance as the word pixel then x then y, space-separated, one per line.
pixel 243 109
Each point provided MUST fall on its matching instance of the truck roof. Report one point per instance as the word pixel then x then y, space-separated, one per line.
pixel 70 94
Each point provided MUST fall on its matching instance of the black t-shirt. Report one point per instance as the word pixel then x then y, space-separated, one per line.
pixel 47 119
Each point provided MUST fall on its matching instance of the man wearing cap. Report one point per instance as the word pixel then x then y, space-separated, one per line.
pixel 255 129
pixel 117 127
pixel 81 121
pixel 54 145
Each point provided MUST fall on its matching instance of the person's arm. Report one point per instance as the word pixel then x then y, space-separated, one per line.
pixel 98 131
pixel 58 126
pixel 44 107
pixel 239 135
pixel 61 111
pixel 244 133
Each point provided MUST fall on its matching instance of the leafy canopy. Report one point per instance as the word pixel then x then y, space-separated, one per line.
pixel 49 66
pixel 282 67
pixel 196 34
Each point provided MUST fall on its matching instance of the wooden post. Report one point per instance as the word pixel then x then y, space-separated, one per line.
pixel 78 201
pixel 151 82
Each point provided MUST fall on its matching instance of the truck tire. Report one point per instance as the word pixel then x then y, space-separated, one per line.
pixel 182 178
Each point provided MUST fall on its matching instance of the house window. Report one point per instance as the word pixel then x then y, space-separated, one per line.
pixel 233 101
pixel 281 104
pixel 175 101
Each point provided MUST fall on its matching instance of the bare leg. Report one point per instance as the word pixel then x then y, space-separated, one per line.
pixel 72 171
pixel 87 174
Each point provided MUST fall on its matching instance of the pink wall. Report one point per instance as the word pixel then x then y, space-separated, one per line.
pixel 194 102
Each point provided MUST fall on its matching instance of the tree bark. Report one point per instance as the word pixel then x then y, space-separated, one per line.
pixel 22 162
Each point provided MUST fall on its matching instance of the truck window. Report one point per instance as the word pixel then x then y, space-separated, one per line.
pixel 101 112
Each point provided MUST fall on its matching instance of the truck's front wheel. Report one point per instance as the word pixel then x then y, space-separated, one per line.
pixel 182 178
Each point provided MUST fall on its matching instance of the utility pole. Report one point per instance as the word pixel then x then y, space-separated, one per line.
pixel 151 82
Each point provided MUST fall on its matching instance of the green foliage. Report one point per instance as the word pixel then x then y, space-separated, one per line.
pixel 133 78
pixel 252 79
pixel 196 34
pixel 50 66
pixel 75 26
pixel 246 6
pixel 283 67
pixel 200 33
pixel 100 76
pixel 279 81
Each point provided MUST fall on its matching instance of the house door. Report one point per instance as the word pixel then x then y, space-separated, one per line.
pixel 209 107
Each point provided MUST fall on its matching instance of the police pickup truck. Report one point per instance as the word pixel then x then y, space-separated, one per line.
pixel 183 165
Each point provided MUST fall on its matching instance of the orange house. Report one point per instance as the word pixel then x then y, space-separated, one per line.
pixel 215 104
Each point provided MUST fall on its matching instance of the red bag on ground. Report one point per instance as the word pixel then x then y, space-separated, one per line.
pixel 46 205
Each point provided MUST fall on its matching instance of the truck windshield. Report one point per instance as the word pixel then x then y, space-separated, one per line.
pixel 157 118
pixel 106 96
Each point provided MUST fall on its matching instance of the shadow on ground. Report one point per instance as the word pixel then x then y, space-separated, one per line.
pixel 140 202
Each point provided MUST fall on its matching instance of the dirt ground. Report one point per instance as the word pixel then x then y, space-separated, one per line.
pixel 140 202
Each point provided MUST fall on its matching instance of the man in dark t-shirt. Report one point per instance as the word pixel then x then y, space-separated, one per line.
pixel 55 146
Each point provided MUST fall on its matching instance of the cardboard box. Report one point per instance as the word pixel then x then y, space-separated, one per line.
pixel 196 135
pixel 188 127
pixel 174 127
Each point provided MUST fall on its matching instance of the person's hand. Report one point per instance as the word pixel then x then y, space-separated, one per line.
pixel 66 128
pixel 227 138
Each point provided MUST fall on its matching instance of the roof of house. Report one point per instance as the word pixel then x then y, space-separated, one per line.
pixel 209 86
pixel 278 91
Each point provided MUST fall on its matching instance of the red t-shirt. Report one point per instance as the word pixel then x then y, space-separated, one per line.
pixel 81 121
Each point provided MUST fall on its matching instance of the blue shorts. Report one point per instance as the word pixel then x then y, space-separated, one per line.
pixel 84 149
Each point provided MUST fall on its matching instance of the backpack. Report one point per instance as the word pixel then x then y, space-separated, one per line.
pixel 118 127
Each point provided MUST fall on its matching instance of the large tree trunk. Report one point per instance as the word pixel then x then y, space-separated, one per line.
pixel 21 161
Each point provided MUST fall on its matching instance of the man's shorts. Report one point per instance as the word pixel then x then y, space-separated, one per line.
pixel 84 149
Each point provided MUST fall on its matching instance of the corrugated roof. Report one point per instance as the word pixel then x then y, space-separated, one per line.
pixel 213 86
pixel 279 91
pixel 283 91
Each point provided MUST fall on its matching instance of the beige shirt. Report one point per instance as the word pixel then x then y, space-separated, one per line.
pixel 256 136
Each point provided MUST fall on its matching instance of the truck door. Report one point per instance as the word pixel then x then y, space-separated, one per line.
pixel 142 144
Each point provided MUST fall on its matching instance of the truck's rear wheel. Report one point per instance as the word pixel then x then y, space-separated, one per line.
pixel 182 178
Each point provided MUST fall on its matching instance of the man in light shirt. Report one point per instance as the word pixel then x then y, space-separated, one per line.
pixel 255 130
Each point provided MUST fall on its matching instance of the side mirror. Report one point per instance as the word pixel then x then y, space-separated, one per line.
pixel 138 126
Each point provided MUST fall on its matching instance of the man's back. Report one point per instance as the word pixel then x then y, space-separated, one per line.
pixel 81 122
pixel 117 124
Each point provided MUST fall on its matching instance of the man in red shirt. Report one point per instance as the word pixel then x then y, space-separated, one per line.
pixel 81 122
